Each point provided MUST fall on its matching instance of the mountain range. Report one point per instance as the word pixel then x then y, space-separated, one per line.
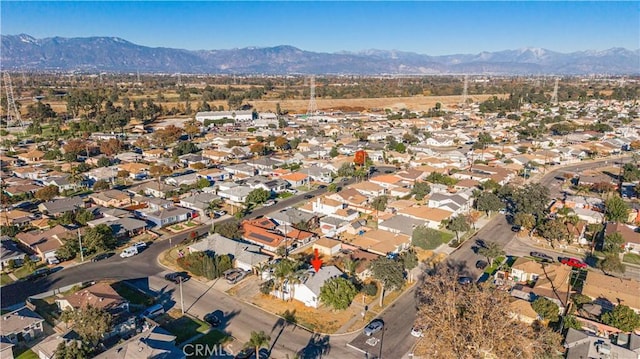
pixel 113 54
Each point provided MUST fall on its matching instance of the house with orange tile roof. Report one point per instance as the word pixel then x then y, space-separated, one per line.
pixel 100 295
pixel 296 179
pixel 386 181
pixel 382 242
pixel 33 156
pixel 267 234
pixel 610 291
pixel 369 189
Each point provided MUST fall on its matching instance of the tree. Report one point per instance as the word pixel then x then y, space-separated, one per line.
pixel 426 238
pixel 623 318
pixel 613 243
pixel 47 193
pixel 203 183
pixel 72 350
pixel 611 264
pixel 334 152
pixel 524 220
pixel 83 216
pixel 101 185
pixel 99 238
pixel 379 203
pixel 230 229
pixel 192 128
pixel 280 142
pixel 616 209
pixel 546 309
pixel 258 340
pixel 473 217
pixel 104 162
pixel 184 148
pixel 474 322
pixel 68 250
pixel 458 224
pixel 570 321
pixel 489 202
pixel 389 273
pixel 484 140
pixel 409 260
pixel 165 136
pixel 110 147
pixel 532 199
pixel 554 229
pixel 333 187
pixel 491 250
pixel 258 196
pixel 338 293
pixel 89 322
pixel 420 190
pixel 346 170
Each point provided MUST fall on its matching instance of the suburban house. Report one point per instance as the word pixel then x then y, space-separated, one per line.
pixel 368 189
pixel 168 216
pixel 15 217
pixel 542 280
pixel 44 243
pixel 153 188
pixel 33 156
pixel 245 256
pixel 111 198
pixel 272 185
pixel 432 217
pixel 236 194
pixel 153 342
pixel 629 234
pixel 62 182
pixel 59 206
pixel 122 227
pixel 241 170
pixel 296 179
pixel 199 202
pixel 400 224
pixel 182 180
pixel 20 326
pixel 217 156
pixel 327 246
pixel 214 174
pixel 136 170
pixel 10 252
pixel 610 291
pixel 580 344
pixel 382 242
pixel 457 202
pixel 308 290
pixel 267 234
pixel 318 174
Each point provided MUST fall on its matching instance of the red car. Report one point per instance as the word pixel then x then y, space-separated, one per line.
pixel 575 263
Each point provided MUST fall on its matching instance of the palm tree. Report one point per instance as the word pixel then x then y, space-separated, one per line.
pixel 258 340
pixel 281 272
pixel 349 266
pixel 491 250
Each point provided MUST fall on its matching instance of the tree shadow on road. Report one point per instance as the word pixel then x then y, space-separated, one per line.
pixel 288 318
pixel 317 346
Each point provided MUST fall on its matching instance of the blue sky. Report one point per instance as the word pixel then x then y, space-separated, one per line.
pixel 434 28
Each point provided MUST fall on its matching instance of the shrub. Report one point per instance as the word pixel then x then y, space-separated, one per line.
pixel 267 287
pixel 370 289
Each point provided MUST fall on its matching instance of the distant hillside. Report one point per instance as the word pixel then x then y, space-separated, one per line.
pixel 112 54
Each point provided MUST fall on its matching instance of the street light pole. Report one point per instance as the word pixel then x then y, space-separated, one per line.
pixel 181 298
pixel 80 244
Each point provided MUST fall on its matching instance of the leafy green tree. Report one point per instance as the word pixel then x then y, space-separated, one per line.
pixel 613 243
pixel 104 162
pixel 554 229
pixel 184 148
pixel 532 199
pixel 101 185
pixel 389 273
pixel 524 220
pixel 230 229
pixel 623 318
pixel 489 202
pixel 334 152
pixel 72 350
pixel 47 193
pixel 570 321
pixel 611 264
pixel 458 224
pixel 346 170
pixel 338 293
pixel 491 250
pixel 333 187
pixel 90 322
pixel 616 209
pixel 83 216
pixel 258 340
pixel 203 183
pixel 379 203
pixel 409 260
pixel 439 178
pixel 68 250
pixel 258 196
pixel 99 238
pixel 546 309
pixel 420 190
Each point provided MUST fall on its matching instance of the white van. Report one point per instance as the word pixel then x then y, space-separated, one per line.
pixel 129 252
pixel 153 311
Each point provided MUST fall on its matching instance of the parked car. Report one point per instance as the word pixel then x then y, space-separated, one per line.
pixel 308 196
pixel 373 327
pixel 542 256
pixel 322 186
pixel 129 252
pixel 235 275
pixel 102 256
pixel 516 228
pixel 269 203
pixel 416 332
pixel 177 277
pixel 139 245
pixel 481 243
pixel 481 264
pixel 219 213
pixel 465 280
pixel 246 353
pixel 212 319
pixel 39 273
pixel 573 262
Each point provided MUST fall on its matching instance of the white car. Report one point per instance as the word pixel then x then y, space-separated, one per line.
pixel 129 252
pixel 140 245
pixel 416 333
pixel 269 203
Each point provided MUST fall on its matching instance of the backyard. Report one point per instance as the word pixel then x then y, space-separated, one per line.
pixel 182 326
pixel 134 296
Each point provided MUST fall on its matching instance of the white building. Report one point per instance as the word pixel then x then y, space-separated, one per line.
pixel 237 116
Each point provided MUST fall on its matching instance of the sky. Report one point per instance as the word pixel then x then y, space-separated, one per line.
pixel 425 27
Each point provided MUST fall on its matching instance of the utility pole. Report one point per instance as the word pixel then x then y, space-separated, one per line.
pixel 80 243
pixel 181 298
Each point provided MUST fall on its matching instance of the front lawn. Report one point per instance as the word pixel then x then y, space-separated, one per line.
pixel 190 224
pixel 631 258
pixel 5 279
pixel 214 337
pixel 23 271
pixel 134 296
pixel 27 354
pixel 185 327
pixel 284 195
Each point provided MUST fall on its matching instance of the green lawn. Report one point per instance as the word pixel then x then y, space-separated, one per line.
pixel 27 354
pixel 631 258
pixel 285 195
pixel 133 295
pixel 190 224
pixel 186 327
pixel 214 337
pixel 5 279
pixel 23 272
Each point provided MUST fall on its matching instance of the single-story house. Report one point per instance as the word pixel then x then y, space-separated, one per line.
pixel 308 290
pixel 10 251
pixel 327 246
pixel 168 216
pixel 246 256
pixel 21 326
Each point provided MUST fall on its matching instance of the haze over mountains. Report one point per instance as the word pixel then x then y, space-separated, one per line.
pixel 112 54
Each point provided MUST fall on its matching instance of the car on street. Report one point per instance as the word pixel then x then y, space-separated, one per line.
pixel 516 228
pixel 177 277
pixel 269 203
pixel 140 245
pixel 212 319
pixel 465 280
pixel 308 196
pixel 102 256
pixel 39 273
pixel 481 264
pixel 373 327
pixel 322 186
pixel 573 262
pixel 481 243
pixel 542 256
pixel 219 213
pixel 416 332
pixel 246 353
